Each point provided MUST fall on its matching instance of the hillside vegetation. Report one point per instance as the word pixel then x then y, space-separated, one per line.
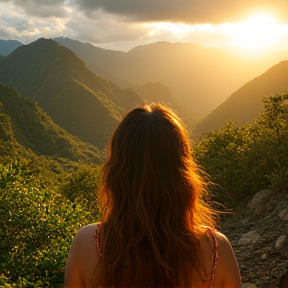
pixel 37 224
pixel 78 101
pixel 242 160
pixel 23 125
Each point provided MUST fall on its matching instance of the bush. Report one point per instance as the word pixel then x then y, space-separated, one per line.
pixel 82 186
pixel 37 226
pixel 244 160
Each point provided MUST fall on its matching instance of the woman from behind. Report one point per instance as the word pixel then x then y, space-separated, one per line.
pixel 157 229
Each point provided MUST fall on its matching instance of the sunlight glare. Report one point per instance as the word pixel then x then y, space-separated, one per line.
pixel 257 32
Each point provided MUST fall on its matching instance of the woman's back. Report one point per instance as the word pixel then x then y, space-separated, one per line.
pixel 84 256
pixel 153 211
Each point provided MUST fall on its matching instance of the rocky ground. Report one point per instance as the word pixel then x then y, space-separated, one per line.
pixel 258 232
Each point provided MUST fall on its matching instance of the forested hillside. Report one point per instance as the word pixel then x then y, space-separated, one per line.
pixel 77 100
pixel 24 125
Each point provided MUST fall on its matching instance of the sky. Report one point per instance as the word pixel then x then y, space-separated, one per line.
pixel 240 25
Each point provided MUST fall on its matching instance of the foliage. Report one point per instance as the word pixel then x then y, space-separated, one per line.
pixel 23 122
pixel 37 226
pixel 81 187
pixel 242 160
pixel 223 156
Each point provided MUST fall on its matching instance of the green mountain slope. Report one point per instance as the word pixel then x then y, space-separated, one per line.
pixel 23 124
pixel 97 59
pixel 76 99
pixel 243 105
pixel 200 78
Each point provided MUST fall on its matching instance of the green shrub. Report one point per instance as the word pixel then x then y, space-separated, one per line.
pixel 37 226
pixel 244 160
pixel 82 186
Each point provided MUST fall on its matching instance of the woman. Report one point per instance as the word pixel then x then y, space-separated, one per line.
pixel 154 230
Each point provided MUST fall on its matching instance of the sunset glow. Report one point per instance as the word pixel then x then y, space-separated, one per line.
pixel 261 31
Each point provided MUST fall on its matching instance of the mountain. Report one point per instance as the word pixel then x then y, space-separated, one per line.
pixel 96 59
pixel 8 46
pixel 157 92
pixel 24 125
pixel 200 78
pixel 83 104
pixel 243 105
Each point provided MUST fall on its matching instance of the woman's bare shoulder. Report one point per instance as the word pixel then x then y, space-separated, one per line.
pixel 83 242
pixel 227 262
pixel 82 258
pixel 85 231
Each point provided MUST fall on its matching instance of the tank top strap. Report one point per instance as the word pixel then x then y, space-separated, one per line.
pixel 97 238
pixel 211 235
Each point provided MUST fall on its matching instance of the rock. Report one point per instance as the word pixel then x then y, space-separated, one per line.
pixel 280 242
pixel 249 238
pixel 258 202
pixel 248 285
pixel 284 214
pixel 264 256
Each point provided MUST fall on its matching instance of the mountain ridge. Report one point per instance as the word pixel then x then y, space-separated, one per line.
pixel 77 100
pixel 246 103
pixel 200 78
pixel 24 124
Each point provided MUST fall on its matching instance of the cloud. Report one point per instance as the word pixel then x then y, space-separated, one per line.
pixel 18 24
pixel 129 22
pixel 186 11
pixel 103 28
pixel 3 33
pixel 14 24
pixel 42 8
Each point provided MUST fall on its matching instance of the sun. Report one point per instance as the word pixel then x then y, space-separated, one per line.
pixel 261 31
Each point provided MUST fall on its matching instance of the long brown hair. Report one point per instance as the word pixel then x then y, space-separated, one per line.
pixel 152 204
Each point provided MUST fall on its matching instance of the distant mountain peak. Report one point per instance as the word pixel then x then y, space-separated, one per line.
pixel 8 46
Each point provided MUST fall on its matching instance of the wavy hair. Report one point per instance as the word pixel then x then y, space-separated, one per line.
pixel 152 204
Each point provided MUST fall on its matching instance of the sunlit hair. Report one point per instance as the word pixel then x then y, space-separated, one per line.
pixel 152 204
